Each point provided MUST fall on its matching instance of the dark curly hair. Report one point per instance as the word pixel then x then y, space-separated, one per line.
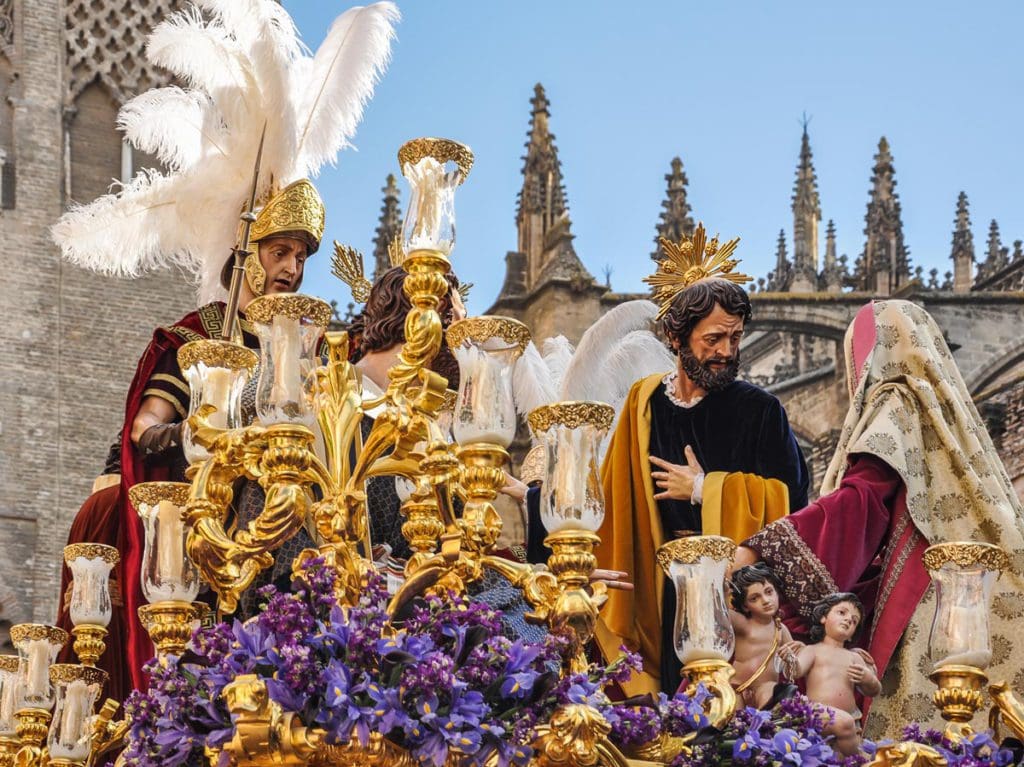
pixel 381 324
pixel 822 608
pixel 698 301
pixel 746 577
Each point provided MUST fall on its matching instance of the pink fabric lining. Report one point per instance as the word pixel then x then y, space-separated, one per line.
pixel 864 337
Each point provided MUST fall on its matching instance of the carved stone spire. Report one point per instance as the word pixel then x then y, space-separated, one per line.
pixel 831 273
pixel 542 218
pixel 963 248
pixel 782 277
pixel 885 261
pixel 388 227
pixel 806 215
pixel 676 221
pixel 996 256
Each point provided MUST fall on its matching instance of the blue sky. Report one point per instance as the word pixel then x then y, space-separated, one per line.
pixel 723 85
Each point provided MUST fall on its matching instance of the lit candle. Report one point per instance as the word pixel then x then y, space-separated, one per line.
pixel 38 682
pixel 170 539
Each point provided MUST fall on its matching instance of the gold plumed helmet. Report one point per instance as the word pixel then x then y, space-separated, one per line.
pixel 295 211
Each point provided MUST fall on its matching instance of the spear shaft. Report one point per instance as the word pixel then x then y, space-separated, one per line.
pixel 241 251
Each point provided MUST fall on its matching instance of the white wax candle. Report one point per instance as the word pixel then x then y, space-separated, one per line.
pixel 170 537
pixel 286 344
pixel 427 178
pixel 38 683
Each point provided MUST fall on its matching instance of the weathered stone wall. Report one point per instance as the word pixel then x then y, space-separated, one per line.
pixel 71 339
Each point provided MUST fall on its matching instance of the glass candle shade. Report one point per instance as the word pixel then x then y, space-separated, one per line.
pixel 216 372
pixel 964 575
pixel 8 695
pixel 571 432
pixel 430 216
pixel 486 349
pixel 168 574
pixel 37 645
pixel 696 566
pixel 289 326
pixel 90 565
pixel 77 688
pixel 446 415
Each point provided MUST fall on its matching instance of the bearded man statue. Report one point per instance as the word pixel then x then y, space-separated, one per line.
pixel 695 451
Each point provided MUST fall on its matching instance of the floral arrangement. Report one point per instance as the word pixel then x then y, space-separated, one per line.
pixel 793 733
pixel 447 681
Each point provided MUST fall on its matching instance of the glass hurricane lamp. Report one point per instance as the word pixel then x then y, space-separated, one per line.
pixel 77 688
pixel 434 167
pixel 216 372
pixel 168 573
pixel 571 497
pixel 289 327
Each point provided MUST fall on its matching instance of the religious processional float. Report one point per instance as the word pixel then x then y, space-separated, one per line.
pixel 337 671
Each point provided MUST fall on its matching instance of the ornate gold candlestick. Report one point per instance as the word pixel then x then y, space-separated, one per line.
pixel 575 609
pixel 90 607
pixel 484 420
pixel 482 477
pixel 704 639
pixel 169 625
pixel 964 574
pixel 959 695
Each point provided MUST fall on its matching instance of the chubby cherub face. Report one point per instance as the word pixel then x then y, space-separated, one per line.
pixel 762 600
pixel 841 622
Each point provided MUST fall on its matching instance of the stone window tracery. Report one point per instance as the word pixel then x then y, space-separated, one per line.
pixel 106 43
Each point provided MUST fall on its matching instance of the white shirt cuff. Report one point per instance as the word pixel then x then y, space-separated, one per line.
pixel 697 496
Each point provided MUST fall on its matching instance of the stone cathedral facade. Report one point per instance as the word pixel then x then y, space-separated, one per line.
pixel 71 339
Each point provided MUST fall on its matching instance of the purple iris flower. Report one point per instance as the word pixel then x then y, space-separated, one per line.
pixel 387 707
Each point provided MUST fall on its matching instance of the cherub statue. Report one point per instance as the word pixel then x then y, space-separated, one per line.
pixel 834 671
pixel 759 633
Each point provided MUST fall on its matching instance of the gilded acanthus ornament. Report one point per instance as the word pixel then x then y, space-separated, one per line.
pixel 966 554
pixel 482 329
pixel 689 550
pixel 441 149
pixel 572 415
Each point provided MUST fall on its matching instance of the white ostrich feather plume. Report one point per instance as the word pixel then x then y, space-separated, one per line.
pixel 245 67
pixel 558 353
pixel 340 84
pixel 531 381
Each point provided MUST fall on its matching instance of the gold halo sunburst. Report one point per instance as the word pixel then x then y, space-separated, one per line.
pixel 691 260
